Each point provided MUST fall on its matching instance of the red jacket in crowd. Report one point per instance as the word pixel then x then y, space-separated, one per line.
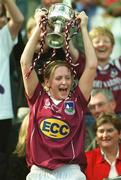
pixel 97 167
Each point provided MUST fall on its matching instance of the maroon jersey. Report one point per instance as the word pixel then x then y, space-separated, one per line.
pixel 56 132
pixel 110 78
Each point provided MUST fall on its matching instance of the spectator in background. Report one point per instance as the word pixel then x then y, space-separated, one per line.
pixel 92 8
pixel 113 7
pixel 18 99
pixel 13 166
pixel 105 160
pixel 9 30
pixel 102 100
pixel 107 3
pixel 113 24
pixel 108 76
pixel 16 163
pixel 17 90
pixel 108 72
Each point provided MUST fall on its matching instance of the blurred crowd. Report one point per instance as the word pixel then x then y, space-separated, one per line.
pixel 102 120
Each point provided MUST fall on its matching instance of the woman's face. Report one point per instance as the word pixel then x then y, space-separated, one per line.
pixel 103 47
pixel 107 136
pixel 60 83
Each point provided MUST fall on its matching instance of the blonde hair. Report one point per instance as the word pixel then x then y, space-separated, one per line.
pixel 21 144
pixel 51 67
pixel 31 23
pixel 102 31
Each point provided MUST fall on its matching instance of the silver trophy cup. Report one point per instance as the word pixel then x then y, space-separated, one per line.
pixel 58 15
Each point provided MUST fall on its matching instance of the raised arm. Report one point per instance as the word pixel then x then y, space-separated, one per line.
pixel 74 52
pixel 87 78
pixel 16 17
pixel 32 45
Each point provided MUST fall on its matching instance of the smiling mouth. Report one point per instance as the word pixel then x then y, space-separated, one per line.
pixel 102 50
pixel 106 140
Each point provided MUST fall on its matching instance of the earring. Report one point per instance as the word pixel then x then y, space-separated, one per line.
pixel 46 88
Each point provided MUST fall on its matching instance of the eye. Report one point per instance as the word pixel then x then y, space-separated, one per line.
pixel 91 107
pixel 58 78
pixel 107 42
pixel 100 131
pixel 110 130
pixel 68 77
pixel 96 42
pixel 101 104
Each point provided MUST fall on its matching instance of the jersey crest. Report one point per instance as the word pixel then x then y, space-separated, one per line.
pixel 69 107
pixel 113 72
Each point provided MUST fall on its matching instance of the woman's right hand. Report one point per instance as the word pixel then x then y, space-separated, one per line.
pixel 39 13
pixel 83 19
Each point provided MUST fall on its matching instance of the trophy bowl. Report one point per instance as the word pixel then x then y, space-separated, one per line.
pixel 58 15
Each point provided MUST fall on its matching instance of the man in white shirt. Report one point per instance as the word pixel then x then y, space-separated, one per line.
pixel 9 30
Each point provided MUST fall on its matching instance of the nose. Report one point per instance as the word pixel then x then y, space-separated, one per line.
pixel 101 43
pixel 63 81
pixel 104 133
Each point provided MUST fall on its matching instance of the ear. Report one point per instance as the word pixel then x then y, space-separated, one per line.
pixel 47 83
